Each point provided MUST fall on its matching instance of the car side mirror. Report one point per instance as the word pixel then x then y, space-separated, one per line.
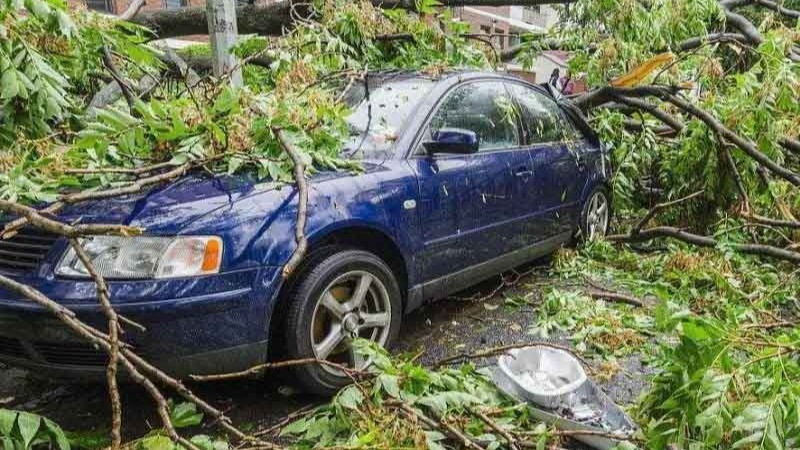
pixel 452 140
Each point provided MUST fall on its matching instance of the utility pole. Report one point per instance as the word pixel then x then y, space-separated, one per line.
pixel 222 32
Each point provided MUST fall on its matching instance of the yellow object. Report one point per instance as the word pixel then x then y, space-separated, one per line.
pixel 638 74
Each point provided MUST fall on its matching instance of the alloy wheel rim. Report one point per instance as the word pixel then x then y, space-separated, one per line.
pixel 354 305
pixel 597 216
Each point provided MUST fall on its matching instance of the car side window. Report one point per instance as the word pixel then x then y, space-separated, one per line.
pixel 544 119
pixel 485 108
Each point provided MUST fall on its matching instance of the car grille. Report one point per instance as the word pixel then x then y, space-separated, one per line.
pixel 71 354
pixel 24 252
pixel 12 347
pixel 65 354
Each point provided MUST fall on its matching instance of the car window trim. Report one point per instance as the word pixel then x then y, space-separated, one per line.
pixel 411 153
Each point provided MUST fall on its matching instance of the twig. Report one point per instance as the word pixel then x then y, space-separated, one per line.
pixel 304 411
pixel 108 62
pixel 615 296
pixel 512 443
pixel 494 351
pixel 120 170
pixel 257 370
pixel 772 325
pixel 660 207
pixel 113 333
pixel 443 425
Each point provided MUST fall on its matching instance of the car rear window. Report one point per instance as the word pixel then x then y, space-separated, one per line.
pixel 380 110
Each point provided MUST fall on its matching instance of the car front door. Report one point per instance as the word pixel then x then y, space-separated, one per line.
pixel 558 171
pixel 467 212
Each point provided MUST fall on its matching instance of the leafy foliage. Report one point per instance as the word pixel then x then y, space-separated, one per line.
pixel 21 430
pixel 726 377
pixel 385 411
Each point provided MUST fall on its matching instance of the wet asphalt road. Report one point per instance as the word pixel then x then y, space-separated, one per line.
pixel 444 328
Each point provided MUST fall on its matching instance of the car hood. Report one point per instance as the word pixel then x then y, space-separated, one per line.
pixel 170 207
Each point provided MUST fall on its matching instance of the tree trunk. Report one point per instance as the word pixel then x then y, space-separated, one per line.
pixel 271 19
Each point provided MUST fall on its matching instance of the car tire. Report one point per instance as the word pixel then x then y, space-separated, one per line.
pixel 337 297
pixel 595 214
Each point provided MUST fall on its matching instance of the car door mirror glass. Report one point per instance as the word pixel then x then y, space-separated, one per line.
pixel 452 140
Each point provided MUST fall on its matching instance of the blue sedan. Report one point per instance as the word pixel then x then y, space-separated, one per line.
pixel 465 175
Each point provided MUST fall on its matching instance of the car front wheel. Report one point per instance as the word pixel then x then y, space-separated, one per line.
pixel 596 215
pixel 347 295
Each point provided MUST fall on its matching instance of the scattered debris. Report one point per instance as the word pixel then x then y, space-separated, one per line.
pixel 555 387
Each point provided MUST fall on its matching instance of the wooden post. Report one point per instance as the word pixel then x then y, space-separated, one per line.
pixel 222 32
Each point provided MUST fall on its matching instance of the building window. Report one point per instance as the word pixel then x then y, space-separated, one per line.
pixel 106 6
pixel 175 4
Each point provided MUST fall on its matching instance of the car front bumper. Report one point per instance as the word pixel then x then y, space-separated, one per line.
pixel 223 327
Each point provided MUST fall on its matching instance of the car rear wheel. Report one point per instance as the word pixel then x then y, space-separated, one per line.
pixel 347 295
pixel 596 215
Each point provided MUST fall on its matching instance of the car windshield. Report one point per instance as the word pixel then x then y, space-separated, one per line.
pixel 380 109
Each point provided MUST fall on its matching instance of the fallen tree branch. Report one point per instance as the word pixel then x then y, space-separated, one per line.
pixel 668 119
pixel 711 38
pixel 773 222
pixel 662 206
pixel 132 10
pixel 108 62
pixel 705 241
pixel 203 63
pixel 55 227
pixel 727 134
pixel 667 94
pixel 302 203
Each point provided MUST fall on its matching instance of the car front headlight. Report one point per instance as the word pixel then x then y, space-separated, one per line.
pixel 143 257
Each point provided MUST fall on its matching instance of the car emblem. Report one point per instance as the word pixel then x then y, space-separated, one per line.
pixel 409 204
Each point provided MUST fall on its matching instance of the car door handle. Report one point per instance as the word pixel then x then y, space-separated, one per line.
pixel 523 172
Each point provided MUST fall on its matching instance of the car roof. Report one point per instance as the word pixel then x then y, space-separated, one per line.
pixel 380 77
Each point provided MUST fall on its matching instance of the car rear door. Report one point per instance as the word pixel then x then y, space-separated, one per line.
pixel 559 172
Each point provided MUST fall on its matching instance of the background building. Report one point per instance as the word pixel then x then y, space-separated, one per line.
pixel 505 24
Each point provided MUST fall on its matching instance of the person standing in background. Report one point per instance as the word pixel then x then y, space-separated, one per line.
pixel 567 85
pixel 554 76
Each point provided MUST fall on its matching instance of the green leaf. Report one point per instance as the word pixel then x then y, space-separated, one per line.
pixel 7 420
pixel 10 84
pixel 390 384
pixel 297 427
pixel 57 434
pixel 185 415
pixel 350 397
pixel 28 425
pixel 157 442
pixel 433 439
